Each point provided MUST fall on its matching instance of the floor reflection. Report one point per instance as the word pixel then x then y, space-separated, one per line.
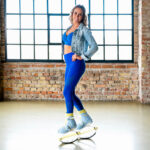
pixel 34 125
pixel 81 144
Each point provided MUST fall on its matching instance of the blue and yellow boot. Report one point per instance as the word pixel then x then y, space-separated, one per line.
pixel 70 124
pixel 85 119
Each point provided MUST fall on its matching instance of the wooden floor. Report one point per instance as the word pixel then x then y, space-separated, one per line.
pixel 33 125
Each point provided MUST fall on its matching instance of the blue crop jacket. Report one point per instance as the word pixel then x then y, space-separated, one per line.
pixel 81 39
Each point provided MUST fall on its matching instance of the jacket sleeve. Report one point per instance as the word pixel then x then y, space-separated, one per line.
pixel 62 45
pixel 91 43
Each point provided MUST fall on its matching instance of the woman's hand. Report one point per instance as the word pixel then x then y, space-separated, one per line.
pixel 75 56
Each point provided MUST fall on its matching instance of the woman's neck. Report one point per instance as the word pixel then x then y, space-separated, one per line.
pixel 75 26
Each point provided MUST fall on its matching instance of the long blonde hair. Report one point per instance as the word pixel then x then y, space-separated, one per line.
pixel 84 17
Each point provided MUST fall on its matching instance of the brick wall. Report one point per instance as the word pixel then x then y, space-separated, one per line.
pixel 1 85
pixel 46 81
pixel 1 81
pixel 101 81
pixel 145 52
pixel 1 69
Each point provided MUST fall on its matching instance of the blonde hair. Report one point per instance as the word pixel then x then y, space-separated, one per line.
pixel 84 16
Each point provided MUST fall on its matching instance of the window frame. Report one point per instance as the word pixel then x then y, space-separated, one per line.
pixel 61 14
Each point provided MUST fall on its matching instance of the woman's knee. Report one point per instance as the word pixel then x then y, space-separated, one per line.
pixel 67 91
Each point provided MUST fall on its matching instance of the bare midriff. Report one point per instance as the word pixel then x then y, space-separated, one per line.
pixel 67 49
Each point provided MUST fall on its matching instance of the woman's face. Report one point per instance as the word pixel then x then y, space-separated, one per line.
pixel 77 15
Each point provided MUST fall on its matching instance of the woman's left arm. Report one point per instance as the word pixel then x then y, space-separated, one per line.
pixel 91 42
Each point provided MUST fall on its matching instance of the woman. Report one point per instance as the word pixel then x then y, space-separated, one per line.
pixel 75 43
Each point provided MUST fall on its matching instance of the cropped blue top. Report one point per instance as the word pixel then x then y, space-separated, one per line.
pixel 67 38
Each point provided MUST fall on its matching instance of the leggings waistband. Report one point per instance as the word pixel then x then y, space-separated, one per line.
pixel 68 57
pixel 69 53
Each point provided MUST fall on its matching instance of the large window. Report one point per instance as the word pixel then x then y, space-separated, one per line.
pixel 34 29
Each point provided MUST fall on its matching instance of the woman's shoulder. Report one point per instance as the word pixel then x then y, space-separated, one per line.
pixel 83 26
pixel 85 29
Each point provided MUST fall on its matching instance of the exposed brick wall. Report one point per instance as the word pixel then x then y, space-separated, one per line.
pixel 1 82
pixel 1 69
pixel 46 81
pixel 2 28
pixel 145 52
pixel 101 81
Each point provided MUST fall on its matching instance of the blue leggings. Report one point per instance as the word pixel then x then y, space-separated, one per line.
pixel 73 73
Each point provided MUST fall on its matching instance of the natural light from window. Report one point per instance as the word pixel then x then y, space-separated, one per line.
pixel 34 29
